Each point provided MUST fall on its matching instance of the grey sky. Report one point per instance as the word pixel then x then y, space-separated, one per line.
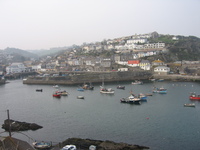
pixel 43 24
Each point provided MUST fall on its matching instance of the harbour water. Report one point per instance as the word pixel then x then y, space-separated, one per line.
pixel 161 123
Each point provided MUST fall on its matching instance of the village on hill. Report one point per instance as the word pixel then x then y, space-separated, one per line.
pixel 120 54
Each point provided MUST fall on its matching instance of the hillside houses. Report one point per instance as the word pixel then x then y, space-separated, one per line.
pixel 129 51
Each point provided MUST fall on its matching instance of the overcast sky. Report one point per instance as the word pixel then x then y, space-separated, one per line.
pixel 43 24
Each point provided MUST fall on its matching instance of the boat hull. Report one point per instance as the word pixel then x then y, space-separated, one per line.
pixel 194 98
pixel 42 145
pixel 189 105
pixel 57 95
pixel 121 87
pixel 136 101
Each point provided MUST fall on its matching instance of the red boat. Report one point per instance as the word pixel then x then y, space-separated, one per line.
pixel 193 96
pixel 56 94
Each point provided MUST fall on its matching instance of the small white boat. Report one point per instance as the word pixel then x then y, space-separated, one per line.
pixel 137 82
pixel 189 105
pixel 106 90
pixel 80 97
pixel 63 93
pixel 56 86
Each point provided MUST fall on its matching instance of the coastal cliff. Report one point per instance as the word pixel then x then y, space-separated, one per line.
pixel 91 77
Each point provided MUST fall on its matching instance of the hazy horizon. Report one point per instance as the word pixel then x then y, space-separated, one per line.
pixel 46 24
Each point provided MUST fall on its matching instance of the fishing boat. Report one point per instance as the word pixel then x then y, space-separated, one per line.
pixel 142 97
pixel 132 99
pixel 194 96
pixel 88 86
pixel 63 93
pixel 105 90
pixel 42 145
pixel 38 90
pixel 137 82
pixel 56 86
pixel 56 94
pixel 160 80
pixel 121 87
pixel 160 90
pixel 80 89
pixel 189 105
pixel 80 97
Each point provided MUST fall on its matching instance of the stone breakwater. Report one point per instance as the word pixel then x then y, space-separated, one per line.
pixel 90 77
pixel 177 77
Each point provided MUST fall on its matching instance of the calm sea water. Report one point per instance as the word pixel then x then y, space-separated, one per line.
pixel 161 123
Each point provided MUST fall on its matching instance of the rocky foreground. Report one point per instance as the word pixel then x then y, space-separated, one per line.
pixel 83 144
pixel 19 126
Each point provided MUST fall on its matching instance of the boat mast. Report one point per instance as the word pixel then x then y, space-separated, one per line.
pixel 9 123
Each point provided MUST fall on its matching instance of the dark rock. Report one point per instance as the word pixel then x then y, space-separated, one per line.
pixel 19 126
pixel 84 144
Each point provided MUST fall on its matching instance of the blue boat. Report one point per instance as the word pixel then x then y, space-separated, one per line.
pixel 160 90
pixel 143 97
pixel 80 89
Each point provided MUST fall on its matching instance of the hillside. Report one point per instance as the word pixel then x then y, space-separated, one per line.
pixel 20 53
pixel 185 48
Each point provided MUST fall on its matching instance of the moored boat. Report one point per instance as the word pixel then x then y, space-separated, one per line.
pixel 56 86
pixel 194 96
pixel 42 145
pixel 63 93
pixel 121 87
pixel 80 89
pixel 56 94
pixel 131 100
pixel 38 90
pixel 142 97
pixel 106 90
pixel 137 82
pixel 160 90
pixel 80 97
pixel 160 80
pixel 189 105
pixel 87 86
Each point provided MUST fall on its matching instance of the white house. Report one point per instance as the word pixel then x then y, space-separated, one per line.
pixel 162 70
pixel 154 45
pixel 136 41
pixel 15 68
pixel 36 67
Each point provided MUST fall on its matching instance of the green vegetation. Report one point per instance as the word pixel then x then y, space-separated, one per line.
pixel 167 39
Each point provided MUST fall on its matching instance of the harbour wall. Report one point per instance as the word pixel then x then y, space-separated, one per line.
pixel 177 77
pixel 89 77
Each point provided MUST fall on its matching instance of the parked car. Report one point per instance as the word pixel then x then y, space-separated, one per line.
pixel 69 147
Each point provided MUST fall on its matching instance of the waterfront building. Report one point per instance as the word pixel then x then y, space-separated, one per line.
pixel 145 65
pixel 161 70
pixel 15 68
